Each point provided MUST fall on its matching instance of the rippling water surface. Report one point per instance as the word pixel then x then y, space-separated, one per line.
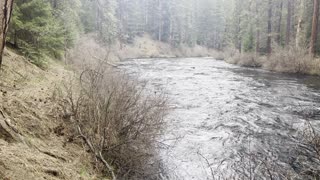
pixel 220 111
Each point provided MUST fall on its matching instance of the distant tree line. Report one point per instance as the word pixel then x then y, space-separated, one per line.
pixel 175 21
pixel 258 23
pixel 248 25
pixel 41 28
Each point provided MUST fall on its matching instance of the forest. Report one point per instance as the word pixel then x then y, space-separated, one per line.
pixel 50 28
pixel 159 89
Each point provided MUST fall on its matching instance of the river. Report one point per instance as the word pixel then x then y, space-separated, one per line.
pixel 229 120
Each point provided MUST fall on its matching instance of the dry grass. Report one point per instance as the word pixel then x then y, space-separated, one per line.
pixel 141 47
pixel 290 60
pixel 287 60
pixel 243 59
pixel 28 108
pixel 146 47
pixel 87 52
pixel 118 120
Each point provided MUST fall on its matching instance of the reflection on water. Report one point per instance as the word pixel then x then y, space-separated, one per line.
pixel 221 111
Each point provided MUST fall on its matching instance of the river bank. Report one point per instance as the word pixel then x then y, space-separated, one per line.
pixel 34 143
pixel 142 47
pixel 43 137
pixel 146 47
pixel 290 60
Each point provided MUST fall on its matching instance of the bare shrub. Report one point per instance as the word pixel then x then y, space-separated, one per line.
pixel 249 60
pixel 230 53
pixel 264 164
pixel 315 67
pixel 119 120
pixel 258 165
pixel 246 59
pixel 301 162
pixel 89 53
pixel 309 152
pixel 218 55
pixel 233 59
pixel 290 59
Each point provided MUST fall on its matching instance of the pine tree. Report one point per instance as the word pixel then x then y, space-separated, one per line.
pixel 5 15
pixel 35 31
pixel 314 27
pixel 288 31
pixel 269 27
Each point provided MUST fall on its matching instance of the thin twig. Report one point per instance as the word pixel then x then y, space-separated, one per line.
pixel 97 154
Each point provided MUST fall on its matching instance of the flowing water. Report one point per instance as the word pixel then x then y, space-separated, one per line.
pixel 221 112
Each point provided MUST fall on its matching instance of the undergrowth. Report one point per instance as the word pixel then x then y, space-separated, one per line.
pixel 290 59
pixel 118 120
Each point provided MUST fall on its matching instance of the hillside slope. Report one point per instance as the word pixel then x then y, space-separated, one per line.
pixel 33 144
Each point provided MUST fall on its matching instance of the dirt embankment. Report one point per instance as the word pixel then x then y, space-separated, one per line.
pixel 33 144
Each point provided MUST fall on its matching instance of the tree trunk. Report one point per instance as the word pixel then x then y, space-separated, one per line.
pixel 269 28
pixel 293 19
pixel 279 23
pixel 146 18
pixel 239 35
pixel 258 29
pixel 288 32
pixel 5 15
pixel 160 21
pixel 299 26
pixel 98 17
pixel 314 27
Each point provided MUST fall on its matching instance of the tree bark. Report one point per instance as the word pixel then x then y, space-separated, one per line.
pixel 269 27
pixel 239 35
pixel 160 21
pixel 289 15
pixel 279 23
pixel 257 29
pixel 299 26
pixel 5 15
pixel 314 32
